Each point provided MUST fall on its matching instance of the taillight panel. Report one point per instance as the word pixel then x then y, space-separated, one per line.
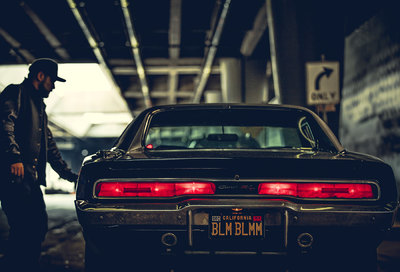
pixel 320 190
pixel 152 189
pixel 301 189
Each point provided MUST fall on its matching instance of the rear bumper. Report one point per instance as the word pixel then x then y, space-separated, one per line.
pixel 183 227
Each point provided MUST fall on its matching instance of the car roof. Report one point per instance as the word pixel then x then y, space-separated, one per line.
pixel 227 106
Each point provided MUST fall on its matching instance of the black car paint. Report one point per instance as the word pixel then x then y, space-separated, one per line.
pixel 109 223
pixel 246 165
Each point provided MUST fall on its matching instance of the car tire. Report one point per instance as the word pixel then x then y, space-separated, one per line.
pixel 346 259
pixel 93 260
pixel 96 261
pixel 364 259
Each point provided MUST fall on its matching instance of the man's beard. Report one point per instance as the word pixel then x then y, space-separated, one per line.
pixel 42 91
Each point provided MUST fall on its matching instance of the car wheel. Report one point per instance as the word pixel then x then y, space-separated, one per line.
pixel 93 260
pixel 364 259
pixel 346 259
pixel 96 261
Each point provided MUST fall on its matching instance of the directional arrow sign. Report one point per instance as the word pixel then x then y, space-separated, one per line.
pixel 326 72
pixel 322 82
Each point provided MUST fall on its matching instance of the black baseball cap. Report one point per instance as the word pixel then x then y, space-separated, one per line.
pixel 47 66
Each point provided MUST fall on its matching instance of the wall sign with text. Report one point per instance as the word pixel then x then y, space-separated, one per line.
pixel 322 82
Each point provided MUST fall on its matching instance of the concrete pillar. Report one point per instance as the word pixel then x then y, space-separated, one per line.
pixel 287 55
pixel 212 97
pixel 300 32
pixel 256 88
pixel 231 83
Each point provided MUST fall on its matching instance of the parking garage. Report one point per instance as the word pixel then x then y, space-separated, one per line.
pixel 339 58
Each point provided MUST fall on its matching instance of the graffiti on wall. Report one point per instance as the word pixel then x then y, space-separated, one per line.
pixel 370 106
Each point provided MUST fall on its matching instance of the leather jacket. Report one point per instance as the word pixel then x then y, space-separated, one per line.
pixel 25 136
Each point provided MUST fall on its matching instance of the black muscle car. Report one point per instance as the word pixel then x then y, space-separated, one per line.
pixel 215 180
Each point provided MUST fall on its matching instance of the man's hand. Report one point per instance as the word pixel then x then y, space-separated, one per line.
pixel 17 169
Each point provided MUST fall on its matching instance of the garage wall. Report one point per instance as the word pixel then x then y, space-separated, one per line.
pixel 370 107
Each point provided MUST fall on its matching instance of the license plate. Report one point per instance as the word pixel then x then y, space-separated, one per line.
pixel 236 226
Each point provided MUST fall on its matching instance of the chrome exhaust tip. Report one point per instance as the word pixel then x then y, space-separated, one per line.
pixel 169 239
pixel 305 240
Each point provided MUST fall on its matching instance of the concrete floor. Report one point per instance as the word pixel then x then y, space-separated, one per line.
pixel 63 249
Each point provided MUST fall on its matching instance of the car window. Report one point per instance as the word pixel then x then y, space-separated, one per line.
pixel 234 129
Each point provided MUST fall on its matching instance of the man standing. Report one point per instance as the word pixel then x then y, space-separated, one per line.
pixel 26 145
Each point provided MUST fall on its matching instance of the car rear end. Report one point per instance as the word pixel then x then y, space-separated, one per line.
pixel 243 206
pixel 235 182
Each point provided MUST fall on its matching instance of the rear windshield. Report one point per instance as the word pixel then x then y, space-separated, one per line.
pixel 235 129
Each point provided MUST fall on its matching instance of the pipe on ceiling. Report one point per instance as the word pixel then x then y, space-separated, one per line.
pixel 209 59
pixel 46 32
pixel 136 53
pixel 93 44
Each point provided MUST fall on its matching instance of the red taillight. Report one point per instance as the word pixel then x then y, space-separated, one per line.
pixel 317 190
pixel 278 188
pixel 153 189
